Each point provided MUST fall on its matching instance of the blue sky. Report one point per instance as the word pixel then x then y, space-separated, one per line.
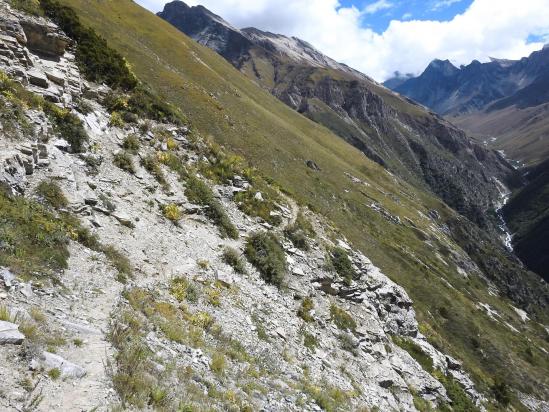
pixel 380 37
pixel 406 10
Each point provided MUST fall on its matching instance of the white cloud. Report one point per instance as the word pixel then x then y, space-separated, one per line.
pixel 442 4
pixel 487 28
pixel 379 5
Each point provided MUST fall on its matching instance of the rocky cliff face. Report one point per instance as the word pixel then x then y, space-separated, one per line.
pixel 401 136
pixel 143 298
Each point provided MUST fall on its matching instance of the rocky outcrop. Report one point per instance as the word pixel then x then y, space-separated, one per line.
pixel 34 51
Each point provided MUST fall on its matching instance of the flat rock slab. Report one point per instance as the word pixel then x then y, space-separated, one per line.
pixel 9 334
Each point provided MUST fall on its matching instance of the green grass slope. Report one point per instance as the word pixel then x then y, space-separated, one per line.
pixel 221 102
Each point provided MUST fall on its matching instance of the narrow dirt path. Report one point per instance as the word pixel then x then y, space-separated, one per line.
pixel 94 285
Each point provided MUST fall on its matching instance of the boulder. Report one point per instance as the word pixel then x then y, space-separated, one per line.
pixel 50 361
pixel 9 334
pixel 7 276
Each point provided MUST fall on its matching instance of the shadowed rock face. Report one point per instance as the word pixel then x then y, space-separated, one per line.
pixel 395 133
pixel 44 39
pixel 528 218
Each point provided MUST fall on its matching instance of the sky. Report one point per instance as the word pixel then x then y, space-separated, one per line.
pixel 381 37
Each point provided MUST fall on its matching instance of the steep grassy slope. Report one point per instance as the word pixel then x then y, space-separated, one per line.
pixel 521 133
pixel 413 249
pixel 404 137
pixel 527 215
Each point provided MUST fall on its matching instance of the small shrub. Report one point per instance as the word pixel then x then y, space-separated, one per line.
pixel 68 126
pixel 249 203
pixel 152 165
pixel 264 251
pixel 232 258
pixel 37 315
pixel 78 342
pixel 415 352
pixel 121 263
pixel 304 311
pixel 218 363
pixel 52 194
pixel 310 341
pixel 131 143
pixel 298 232
pixel 182 289
pixel 158 396
pixel 171 143
pixel 342 264
pixel 172 212
pixel 203 264
pixel 123 160
pixel 199 193
pixel 202 320
pixel 501 391
pixel 213 296
pixel 342 319
pixel 29 329
pixel 54 373
pixel 5 314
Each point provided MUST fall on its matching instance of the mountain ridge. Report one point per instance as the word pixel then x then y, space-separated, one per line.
pixel 358 109
pixel 499 102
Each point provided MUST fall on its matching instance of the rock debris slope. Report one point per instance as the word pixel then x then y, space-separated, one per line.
pixel 68 361
pixel 144 267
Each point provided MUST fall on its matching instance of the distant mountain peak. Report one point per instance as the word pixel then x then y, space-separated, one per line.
pixel 442 66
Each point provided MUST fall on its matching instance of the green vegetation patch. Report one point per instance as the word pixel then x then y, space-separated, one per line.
pixel 415 352
pixel 265 252
pixel 27 6
pixel 341 318
pixel 341 263
pixel 200 193
pixel 124 161
pixel 52 194
pixel 32 239
pixel 233 258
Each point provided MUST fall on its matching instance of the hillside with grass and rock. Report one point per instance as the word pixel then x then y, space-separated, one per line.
pixel 175 238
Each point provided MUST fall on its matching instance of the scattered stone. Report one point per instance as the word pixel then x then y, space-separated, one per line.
pixel 123 218
pixel 312 165
pixel 26 290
